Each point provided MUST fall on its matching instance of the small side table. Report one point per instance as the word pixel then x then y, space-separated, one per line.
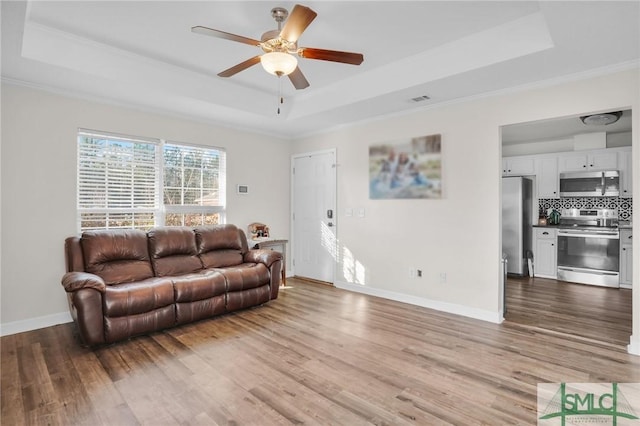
pixel 277 245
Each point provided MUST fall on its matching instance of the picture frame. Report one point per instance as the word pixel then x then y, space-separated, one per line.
pixel 406 169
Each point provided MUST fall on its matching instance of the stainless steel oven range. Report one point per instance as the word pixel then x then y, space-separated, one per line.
pixel 589 247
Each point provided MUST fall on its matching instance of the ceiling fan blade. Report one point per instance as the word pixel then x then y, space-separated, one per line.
pixel 298 79
pixel 227 36
pixel 239 67
pixel 298 21
pixel 331 55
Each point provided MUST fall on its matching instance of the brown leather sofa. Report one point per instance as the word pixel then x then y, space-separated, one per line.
pixel 122 283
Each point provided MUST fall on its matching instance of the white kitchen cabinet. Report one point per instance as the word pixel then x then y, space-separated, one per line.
pixel 603 161
pixel 625 165
pixel 547 177
pixel 588 161
pixel 626 258
pixel 545 256
pixel 518 166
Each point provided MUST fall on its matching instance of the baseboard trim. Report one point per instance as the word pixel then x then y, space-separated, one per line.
pixel 21 326
pixel 634 345
pixel 451 308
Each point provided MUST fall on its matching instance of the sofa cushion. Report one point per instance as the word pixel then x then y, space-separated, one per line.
pixel 173 251
pixel 221 258
pixel 220 245
pixel 138 297
pixel 245 276
pixel 200 309
pixel 117 256
pixel 199 286
pixel 246 298
pixel 120 328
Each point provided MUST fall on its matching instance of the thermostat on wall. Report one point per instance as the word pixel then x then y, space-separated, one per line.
pixel 242 189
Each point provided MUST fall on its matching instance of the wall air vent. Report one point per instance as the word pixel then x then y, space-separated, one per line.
pixel 420 98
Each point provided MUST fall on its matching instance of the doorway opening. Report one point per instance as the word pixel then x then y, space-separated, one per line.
pixel 550 285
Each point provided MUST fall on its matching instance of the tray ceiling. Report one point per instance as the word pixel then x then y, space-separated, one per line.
pixel 143 54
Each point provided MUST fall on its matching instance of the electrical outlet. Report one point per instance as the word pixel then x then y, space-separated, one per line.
pixel 412 273
pixel 443 277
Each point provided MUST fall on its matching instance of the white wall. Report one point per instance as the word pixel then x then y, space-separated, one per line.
pixel 614 140
pixel 459 234
pixel 541 147
pixel 38 168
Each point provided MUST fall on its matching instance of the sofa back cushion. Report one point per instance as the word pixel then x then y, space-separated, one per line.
pixel 173 251
pixel 220 245
pixel 116 255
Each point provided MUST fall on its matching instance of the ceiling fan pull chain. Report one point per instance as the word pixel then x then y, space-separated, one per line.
pixel 279 93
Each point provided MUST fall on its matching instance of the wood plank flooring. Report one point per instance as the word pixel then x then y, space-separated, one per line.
pixel 316 355
pixel 599 313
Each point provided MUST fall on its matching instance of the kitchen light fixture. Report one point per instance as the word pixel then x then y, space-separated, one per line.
pixel 601 119
pixel 278 63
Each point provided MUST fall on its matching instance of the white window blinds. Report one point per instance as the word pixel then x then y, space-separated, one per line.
pixel 128 182
pixel 118 180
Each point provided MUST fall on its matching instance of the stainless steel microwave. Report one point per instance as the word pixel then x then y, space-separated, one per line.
pixel 590 184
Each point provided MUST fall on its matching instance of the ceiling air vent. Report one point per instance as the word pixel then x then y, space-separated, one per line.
pixel 420 98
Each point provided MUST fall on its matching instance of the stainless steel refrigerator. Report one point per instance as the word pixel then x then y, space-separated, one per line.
pixel 516 223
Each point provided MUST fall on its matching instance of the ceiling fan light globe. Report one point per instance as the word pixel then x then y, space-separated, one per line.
pixel 278 63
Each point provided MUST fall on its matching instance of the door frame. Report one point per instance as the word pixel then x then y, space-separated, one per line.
pixel 634 341
pixel 292 204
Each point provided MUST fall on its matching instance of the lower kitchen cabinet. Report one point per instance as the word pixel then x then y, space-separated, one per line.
pixel 626 258
pixel 545 256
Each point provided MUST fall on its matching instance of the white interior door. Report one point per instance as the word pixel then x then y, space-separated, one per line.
pixel 314 215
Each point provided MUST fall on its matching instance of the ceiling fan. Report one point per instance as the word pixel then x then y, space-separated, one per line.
pixel 280 46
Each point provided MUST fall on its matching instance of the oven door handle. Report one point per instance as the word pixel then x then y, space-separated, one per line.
pixel 590 234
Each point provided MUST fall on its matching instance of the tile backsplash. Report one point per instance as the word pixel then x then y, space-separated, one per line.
pixel 624 205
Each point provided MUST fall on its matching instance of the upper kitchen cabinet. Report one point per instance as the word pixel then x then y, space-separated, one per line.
pixel 518 166
pixel 591 161
pixel 547 177
pixel 625 165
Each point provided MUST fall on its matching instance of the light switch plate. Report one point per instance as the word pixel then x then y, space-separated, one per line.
pixel 360 211
pixel 348 212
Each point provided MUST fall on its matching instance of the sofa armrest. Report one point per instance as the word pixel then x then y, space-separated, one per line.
pixel 86 306
pixel 262 256
pixel 74 281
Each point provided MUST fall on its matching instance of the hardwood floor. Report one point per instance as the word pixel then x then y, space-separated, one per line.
pixel 598 313
pixel 317 355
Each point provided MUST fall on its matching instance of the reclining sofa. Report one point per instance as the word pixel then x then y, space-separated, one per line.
pixel 122 283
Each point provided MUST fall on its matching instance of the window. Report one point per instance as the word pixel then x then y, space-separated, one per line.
pixel 193 185
pixel 127 182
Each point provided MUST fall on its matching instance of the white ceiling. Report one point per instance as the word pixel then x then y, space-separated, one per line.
pixel 561 128
pixel 143 54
